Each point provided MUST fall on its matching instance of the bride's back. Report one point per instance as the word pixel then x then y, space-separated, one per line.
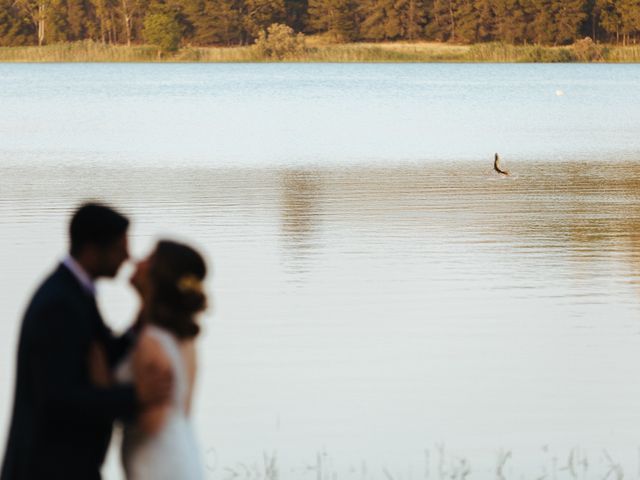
pixel 161 443
pixel 167 352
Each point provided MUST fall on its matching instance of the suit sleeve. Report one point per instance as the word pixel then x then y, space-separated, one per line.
pixel 59 368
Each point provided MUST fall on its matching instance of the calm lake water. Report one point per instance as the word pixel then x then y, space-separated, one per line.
pixel 384 306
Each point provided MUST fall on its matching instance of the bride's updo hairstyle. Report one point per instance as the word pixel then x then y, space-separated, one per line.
pixel 176 272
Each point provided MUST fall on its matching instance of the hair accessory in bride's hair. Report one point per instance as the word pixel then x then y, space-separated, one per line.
pixel 189 283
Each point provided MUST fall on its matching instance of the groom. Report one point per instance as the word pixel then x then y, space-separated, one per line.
pixel 61 423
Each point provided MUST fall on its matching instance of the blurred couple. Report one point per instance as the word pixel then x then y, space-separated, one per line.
pixel 75 377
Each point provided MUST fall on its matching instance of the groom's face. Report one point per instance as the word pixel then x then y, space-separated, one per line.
pixel 112 256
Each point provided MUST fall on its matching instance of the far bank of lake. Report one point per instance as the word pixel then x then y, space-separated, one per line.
pixel 318 51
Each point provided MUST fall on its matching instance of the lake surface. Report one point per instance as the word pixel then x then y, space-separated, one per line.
pixel 384 306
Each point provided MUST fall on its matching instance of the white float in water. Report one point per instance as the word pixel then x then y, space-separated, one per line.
pixel 559 93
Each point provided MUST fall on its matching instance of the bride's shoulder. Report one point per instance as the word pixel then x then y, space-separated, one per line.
pixel 150 350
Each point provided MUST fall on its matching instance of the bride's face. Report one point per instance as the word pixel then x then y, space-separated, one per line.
pixel 140 278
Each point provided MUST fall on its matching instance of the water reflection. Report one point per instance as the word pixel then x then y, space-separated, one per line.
pixel 358 305
pixel 300 194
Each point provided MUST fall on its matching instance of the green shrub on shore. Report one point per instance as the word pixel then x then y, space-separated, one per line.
pixel 280 42
pixel 586 50
pixel 163 31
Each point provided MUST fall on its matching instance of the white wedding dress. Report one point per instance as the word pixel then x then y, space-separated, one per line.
pixel 172 453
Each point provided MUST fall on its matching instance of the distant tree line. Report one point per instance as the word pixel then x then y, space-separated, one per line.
pixel 240 22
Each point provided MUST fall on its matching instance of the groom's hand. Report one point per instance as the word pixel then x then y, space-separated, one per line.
pixel 99 372
pixel 154 384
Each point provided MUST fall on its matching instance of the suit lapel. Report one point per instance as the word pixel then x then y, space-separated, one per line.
pixel 93 313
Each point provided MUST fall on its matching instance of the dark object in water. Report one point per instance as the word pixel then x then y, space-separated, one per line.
pixel 496 167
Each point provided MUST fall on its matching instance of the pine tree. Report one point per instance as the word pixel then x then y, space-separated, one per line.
pixel 57 22
pixel 392 19
pixel 15 29
pixel 568 16
pixel 467 21
pixel 228 22
pixel 102 26
pixel 441 20
pixel 336 17
pixel 259 14
pixel 512 17
pixel 131 14
pixel 542 28
pixel 216 22
pixel 296 14
pixel 610 18
pixel 629 12
pixel 37 12
pixel 77 20
pixel 380 20
pixel 590 27
pixel 486 20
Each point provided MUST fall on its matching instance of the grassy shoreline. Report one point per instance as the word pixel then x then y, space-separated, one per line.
pixel 317 51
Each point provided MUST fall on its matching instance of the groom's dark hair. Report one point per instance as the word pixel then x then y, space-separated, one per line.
pixel 95 224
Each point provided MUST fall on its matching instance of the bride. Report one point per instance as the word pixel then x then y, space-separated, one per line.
pixel 160 443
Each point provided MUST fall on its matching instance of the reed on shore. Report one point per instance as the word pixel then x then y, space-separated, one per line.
pixel 318 51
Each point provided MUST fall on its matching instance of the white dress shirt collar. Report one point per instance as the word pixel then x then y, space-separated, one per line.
pixel 80 273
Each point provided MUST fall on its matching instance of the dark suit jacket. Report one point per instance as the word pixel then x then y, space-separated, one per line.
pixel 61 424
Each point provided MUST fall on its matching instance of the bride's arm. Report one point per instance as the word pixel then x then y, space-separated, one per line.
pixel 149 356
